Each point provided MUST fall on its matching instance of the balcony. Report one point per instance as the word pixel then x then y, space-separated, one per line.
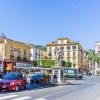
pixel 25 59
pixel 19 58
pixel 11 57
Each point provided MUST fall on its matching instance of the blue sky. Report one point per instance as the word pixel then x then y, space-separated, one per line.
pixel 41 21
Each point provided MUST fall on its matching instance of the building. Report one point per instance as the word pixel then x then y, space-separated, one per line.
pixel 72 51
pixel 14 53
pixel 97 65
pixel 87 67
pixel 38 53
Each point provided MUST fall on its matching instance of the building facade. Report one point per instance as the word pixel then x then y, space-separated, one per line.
pixel 97 65
pixel 72 51
pixel 14 53
pixel 38 53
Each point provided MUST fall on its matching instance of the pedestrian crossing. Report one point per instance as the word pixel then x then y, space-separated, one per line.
pixel 12 96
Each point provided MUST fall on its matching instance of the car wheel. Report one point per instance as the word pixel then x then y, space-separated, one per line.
pixel 25 87
pixel 17 88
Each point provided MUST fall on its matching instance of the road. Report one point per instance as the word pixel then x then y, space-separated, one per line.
pixel 86 89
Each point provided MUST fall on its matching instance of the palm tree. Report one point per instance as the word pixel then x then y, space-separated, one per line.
pixel 93 57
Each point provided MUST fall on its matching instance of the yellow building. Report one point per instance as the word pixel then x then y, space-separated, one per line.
pixel 72 51
pixel 14 53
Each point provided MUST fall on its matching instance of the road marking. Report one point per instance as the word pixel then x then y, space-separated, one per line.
pixel 40 99
pixel 6 94
pixel 7 97
pixel 22 98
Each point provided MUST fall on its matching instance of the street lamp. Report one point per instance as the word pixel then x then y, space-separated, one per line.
pixel 3 42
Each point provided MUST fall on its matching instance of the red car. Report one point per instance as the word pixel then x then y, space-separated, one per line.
pixel 13 82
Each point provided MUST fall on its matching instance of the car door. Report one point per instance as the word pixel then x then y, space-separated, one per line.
pixel 21 80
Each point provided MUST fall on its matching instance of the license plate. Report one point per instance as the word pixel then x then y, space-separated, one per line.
pixel 4 87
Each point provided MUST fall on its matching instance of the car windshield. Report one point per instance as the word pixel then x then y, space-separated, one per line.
pixel 10 76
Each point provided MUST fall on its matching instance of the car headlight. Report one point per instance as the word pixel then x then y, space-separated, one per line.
pixel 12 83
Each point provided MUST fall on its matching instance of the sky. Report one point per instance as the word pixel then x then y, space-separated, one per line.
pixel 42 21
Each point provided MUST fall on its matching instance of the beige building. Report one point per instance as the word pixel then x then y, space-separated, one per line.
pixel 14 53
pixel 72 51
pixel 96 67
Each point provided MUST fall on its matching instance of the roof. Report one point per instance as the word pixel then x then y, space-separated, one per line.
pixel 71 42
pixel 19 42
pixel 40 47
pixel 63 38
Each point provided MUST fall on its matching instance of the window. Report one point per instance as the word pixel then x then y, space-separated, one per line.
pixel 74 53
pixel 15 49
pixel 74 47
pixel 68 53
pixel 68 47
pixel 19 52
pixel 49 48
pixel 68 59
pixel 50 53
pixel 55 50
pixel 61 48
pixel 12 50
pixel 25 53
pixel 74 60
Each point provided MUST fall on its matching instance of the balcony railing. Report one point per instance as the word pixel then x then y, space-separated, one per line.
pixel 12 57
pixel 19 58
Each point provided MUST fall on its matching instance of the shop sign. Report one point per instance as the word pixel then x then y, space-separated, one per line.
pixel 23 65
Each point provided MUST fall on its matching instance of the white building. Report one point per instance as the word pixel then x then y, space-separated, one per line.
pixel 36 54
pixel 97 65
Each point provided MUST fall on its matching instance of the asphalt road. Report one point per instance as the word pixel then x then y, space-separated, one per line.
pixel 78 90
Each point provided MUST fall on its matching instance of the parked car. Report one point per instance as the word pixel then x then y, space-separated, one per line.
pixel 40 78
pixel 36 78
pixel 13 82
pixel 72 73
pixel 79 75
pixel 89 73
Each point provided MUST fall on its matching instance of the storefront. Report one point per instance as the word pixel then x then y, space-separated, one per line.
pixel 9 66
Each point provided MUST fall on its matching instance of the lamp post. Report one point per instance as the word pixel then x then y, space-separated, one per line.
pixel 3 42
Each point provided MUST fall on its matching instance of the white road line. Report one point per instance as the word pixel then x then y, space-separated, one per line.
pixel 40 99
pixel 7 97
pixel 6 94
pixel 22 98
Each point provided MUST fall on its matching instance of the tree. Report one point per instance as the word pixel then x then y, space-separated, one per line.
pixel 46 63
pixel 66 64
pixel 93 57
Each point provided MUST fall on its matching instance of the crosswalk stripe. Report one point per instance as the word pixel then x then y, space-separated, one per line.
pixel 23 98
pixel 6 94
pixel 40 99
pixel 7 97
